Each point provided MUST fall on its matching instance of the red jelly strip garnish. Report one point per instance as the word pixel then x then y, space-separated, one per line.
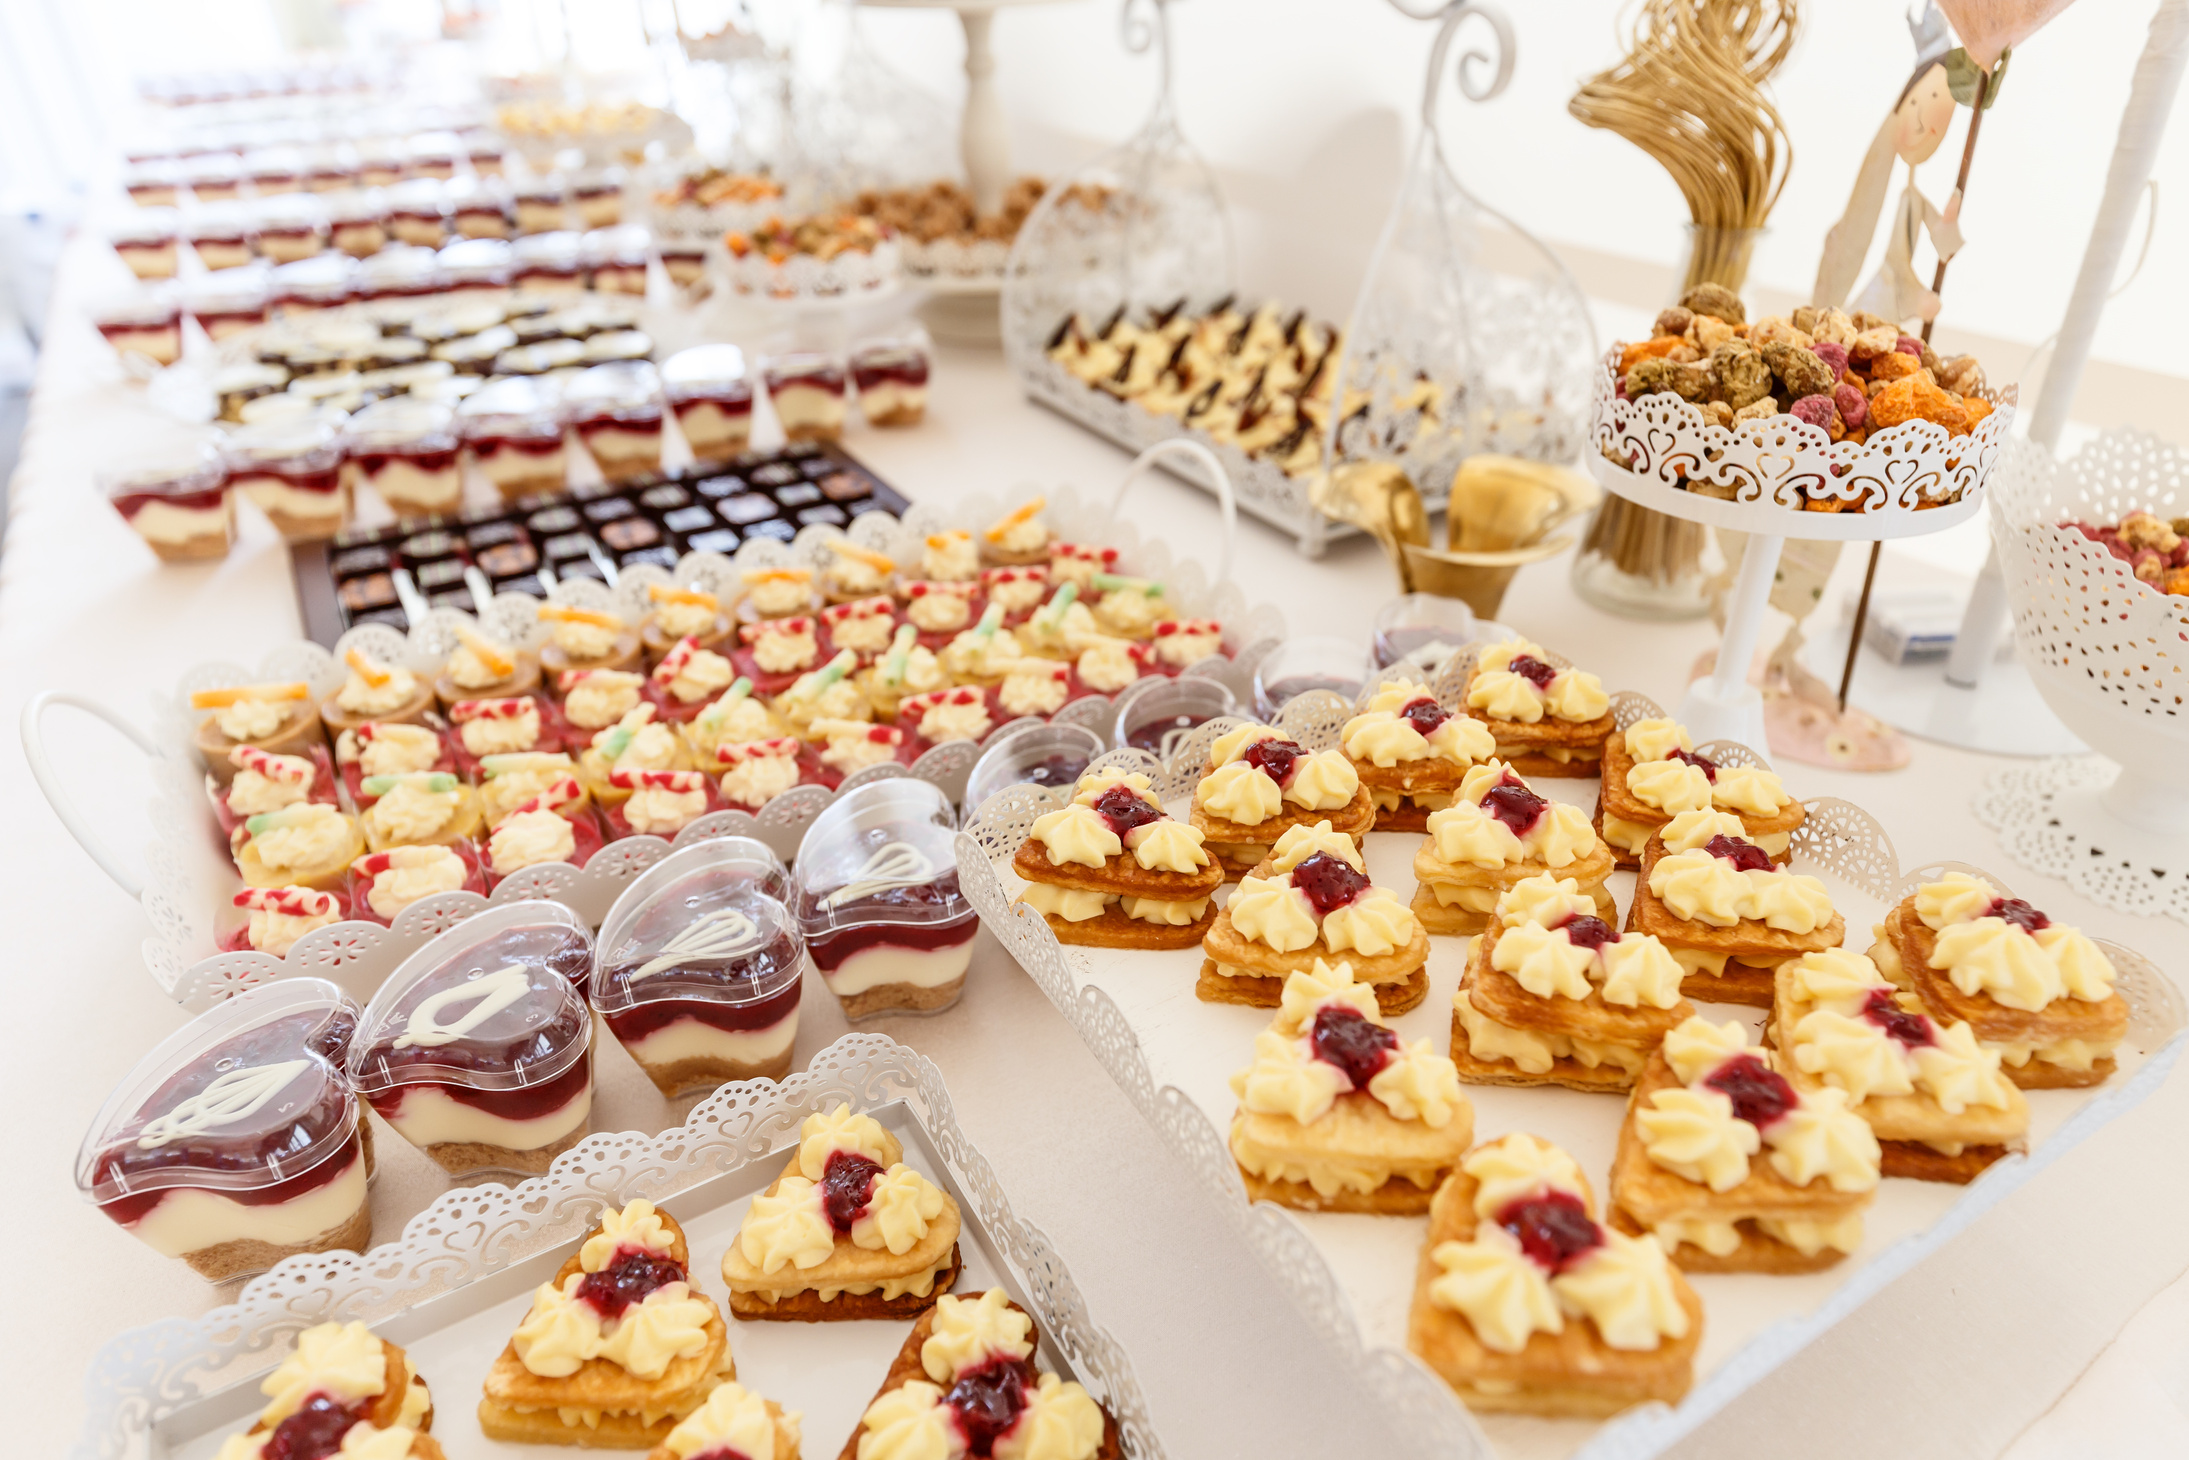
pixel 1533 670
pixel 1329 882
pixel 1554 1228
pixel 1745 856
pixel 1583 931
pixel 1353 1042
pixel 2019 913
pixel 1424 714
pixel 1760 1095
pixel 627 1280
pixel 846 1184
pixel 1124 810
pixel 1912 1030
pixel 1276 759
pixel 1515 805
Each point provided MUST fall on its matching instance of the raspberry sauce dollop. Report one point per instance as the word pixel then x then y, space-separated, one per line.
pixel 1515 805
pixel 1745 856
pixel 1424 714
pixel 1124 810
pixel 1760 1095
pixel 633 1274
pixel 1533 670
pixel 1583 931
pixel 1703 763
pixel 1329 882
pixel 314 1432
pixel 1353 1042
pixel 1554 1229
pixel 1912 1030
pixel 846 1183
pixel 2019 913
pixel 1276 759
pixel 988 1400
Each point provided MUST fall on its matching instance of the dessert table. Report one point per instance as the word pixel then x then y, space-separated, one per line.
pixel 1958 1358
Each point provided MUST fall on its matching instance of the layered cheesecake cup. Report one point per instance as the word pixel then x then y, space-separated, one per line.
pixel 358 223
pixel 292 228
pixel 807 391
pixel 878 901
pixel 405 450
pixel 615 409
pixel 239 1142
pixel 700 970
pixel 146 323
pixel 514 430
pixel 228 304
pixel 548 263
pixel 712 397
pixel 177 501
pixel 892 383
pixel 478 1049
pixel 147 242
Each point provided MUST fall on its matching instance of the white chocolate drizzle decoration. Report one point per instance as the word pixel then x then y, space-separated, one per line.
pixel 493 992
pixel 236 1095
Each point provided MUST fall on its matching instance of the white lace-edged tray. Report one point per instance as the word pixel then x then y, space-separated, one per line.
pixel 1352 1276
pixel 454 1286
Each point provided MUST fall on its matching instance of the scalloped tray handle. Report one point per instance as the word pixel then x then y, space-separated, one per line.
pixel 1219 481
pixel 49 780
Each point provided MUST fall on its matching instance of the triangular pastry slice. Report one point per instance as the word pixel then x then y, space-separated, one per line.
pixel 1337 1113
pixel 847 1231
pixel 1727 912
pixel 966 1383
pixel 342 1391
pixel 1523 1301
pixel 1308 902
pixel 617 1349
pixel 734 1424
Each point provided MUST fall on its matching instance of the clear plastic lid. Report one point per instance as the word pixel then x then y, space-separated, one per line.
pixel 477 261
pixel 702 369
pixel 218 223
pixel 456 319
pixel 540 358
pixel 273 165
pixel 704 923
pixel 624 245
pixel 1155 712
pixel 171 464
pixel 247 1095
pixel 369 205
pixel 228 291
pixel 214 168
pixel 289 405
pixel 882 854
pixel 404 269
pixel 1037 755
pixel 495 1003
pixel 292 213
pixel 298 442
pixel 594 181
pixel 402 421
pixel 326 279
pixel 556 252
pixel 144 226
pixel 431 149
pixel 475 195
pixel 418 197
pixel 513 407
pixel 143 308
pixel 546 189
pixel 613 345
pixel 805 368
pixel 478 350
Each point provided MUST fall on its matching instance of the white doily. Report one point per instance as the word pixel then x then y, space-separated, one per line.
pixel 2049 818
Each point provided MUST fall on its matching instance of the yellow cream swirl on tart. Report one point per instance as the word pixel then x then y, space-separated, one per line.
pixel 1726 910
pixel 1652 773
pixel 1498 832
pixel 1110 869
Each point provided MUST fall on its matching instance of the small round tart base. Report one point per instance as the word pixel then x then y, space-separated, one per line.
pixel 412 711
pixel 525 681
pixel 555 661
pixel 298 734
pixel 657 643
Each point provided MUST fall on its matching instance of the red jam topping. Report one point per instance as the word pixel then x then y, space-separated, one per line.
pixel 1533 670
pixel 1912 1030
pixel 1424 714
pixel 1703 763
pixel 1554 1228
pixel 1583 931
pixel 314 1432
pixel 1353 1042
pixel 1745 856
pixel 1275 759
pixel 1515 805
pixel 2019 913
pixel 846 1184
pixel 1760 1095
pixel 1329 882
pixel 988 1400
pixel 627 1280
pixel 1124 810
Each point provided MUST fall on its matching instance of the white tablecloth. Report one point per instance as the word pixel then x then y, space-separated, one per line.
pixel 1958 1359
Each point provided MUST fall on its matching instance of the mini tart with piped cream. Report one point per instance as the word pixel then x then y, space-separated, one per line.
pixel 387 748
pixel 731 718
pixel 637 742
pixel 866 626
pixel 418 809
pixel 776 593
pixel 615 1351
pixel 382 884
pixel 657 803
pixel 854 572
pixel 774 652
pixel 949 557
pixel 2039 992
pixel 583 638
pixel 681 613
pixel 1553 995
pixel 276 918
pixel 1727 912
pixel 342 1391
pixel 827 693
pixel 1130 608
pixel 939 716
pixel 1308 903
pixel 1110 870
pixel 1017 591
pixel 263 782
pixel 508 781
pixel 1734 1168
pixel 1337 1113
pixel 734 1422
pixel 279 718
pixel 687 679
pixel 481 668
pixel 1496 834
pixel 1060 628
pixel 1651 774
pixel 1412 753
pixel 308 845
pixel 848 1231
pixel 966 1383
pixel 939 612
pixel 1524 1302
pixel 387 693
pixel 1258 785
pixel 1937 1099
pixel 902 669
pixel 984 653
pixel 1547 721
pixel 1018 537
pixel 755 772
pixel 595 699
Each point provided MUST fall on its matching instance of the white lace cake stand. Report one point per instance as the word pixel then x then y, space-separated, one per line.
pixel 2111 657
pixel 1772 467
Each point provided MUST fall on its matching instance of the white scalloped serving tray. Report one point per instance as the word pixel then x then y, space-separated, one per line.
pixel 1353 1275
pixel 456 1283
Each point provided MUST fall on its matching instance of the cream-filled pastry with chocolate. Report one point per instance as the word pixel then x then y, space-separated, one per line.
pixel 1019 536
pixel 1732 1167
pixel 277 718
pixel 734 1424
pixel 1525 1302
pixel 1496 834
pixel 1553 995
pixel 1652 774
pixel 343 1391
pixel 617 1350
pixel 386 693
pixel 847 1231
pixel 1258 785
pixel 2039 992
pixel 584 638
pixel 681 613
pixel 1412 753
pixel 1312 901
pixel 1337 1113
pixel 1547 721
pixel 1728 912
pixel 1111 870
pixel 485 669
pixel 965 1383
pixel 1941 1107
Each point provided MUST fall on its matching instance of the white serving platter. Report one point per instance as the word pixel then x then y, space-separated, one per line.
pixel 1353 1275
pixel 461 1277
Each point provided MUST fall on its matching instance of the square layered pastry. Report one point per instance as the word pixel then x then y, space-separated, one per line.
pixel 1652 774
pixel 1111 870
pixel 1727 912
pixel 1412 753
pixel 1495 834
pixel 1258 785
pixel 1308 902
pixel 1546 720
pixel 345 1391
